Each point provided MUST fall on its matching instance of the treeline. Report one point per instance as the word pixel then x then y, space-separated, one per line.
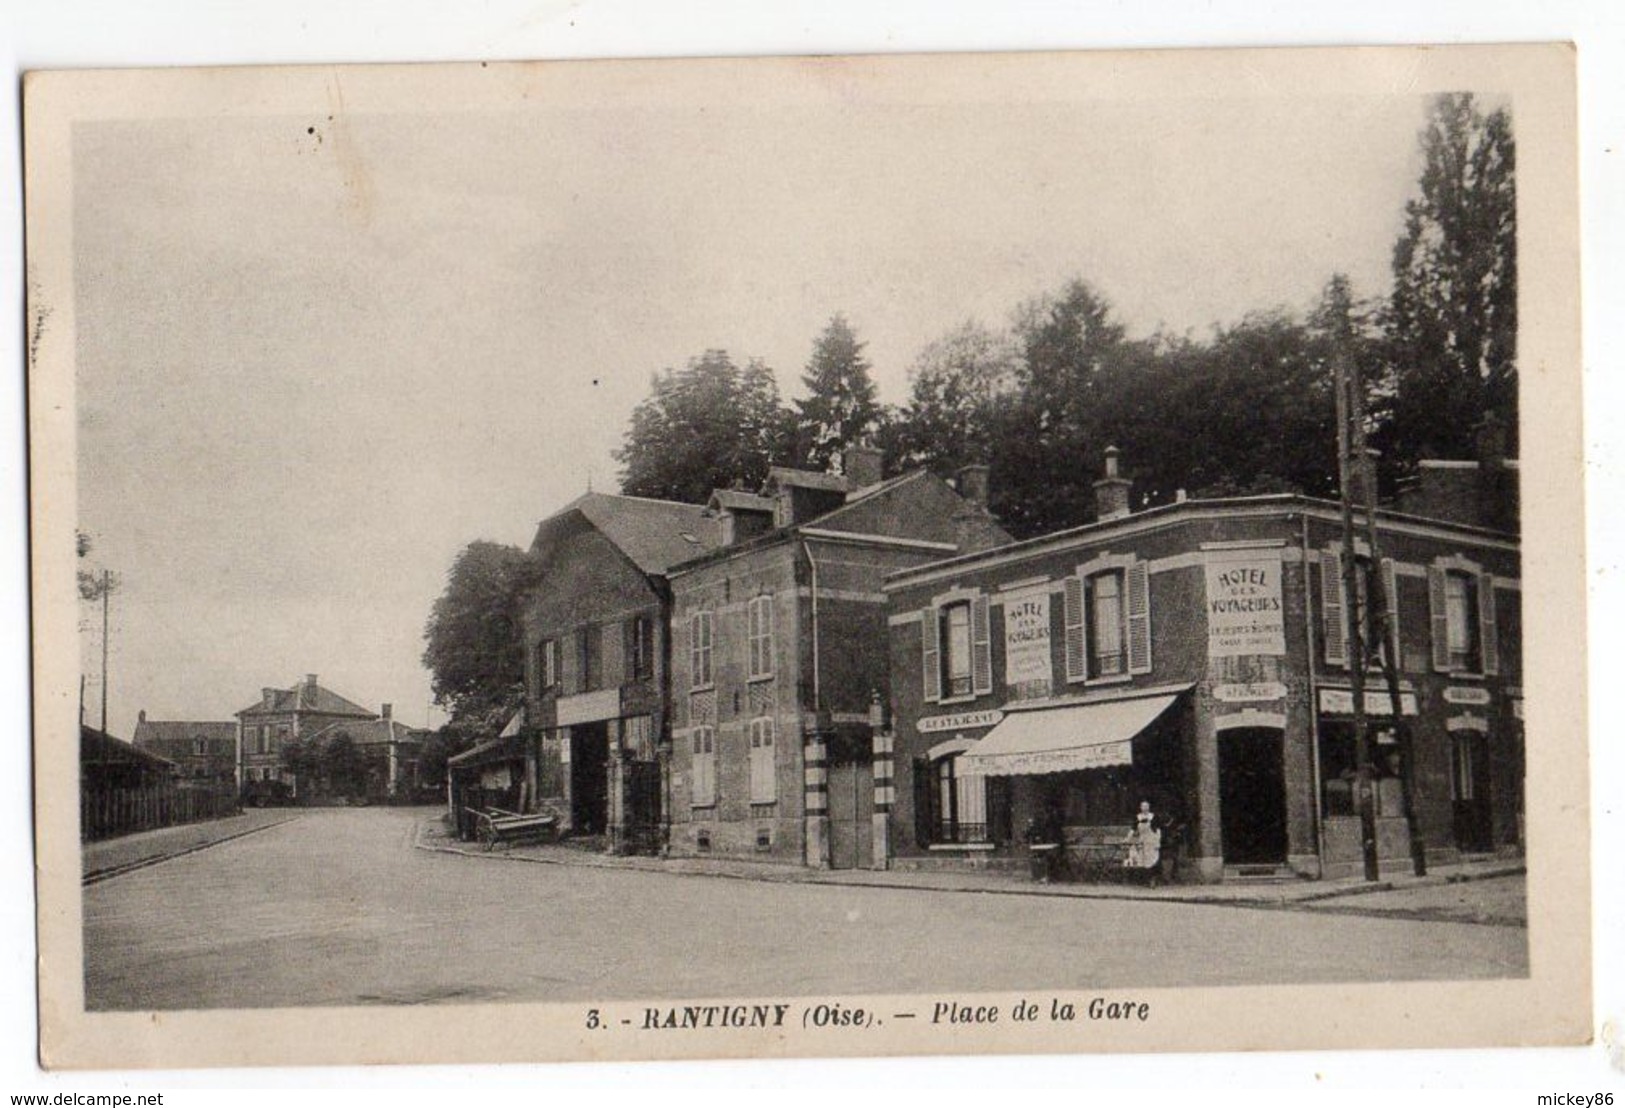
pixel 1245 409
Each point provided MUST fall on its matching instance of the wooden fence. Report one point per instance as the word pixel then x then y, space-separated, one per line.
pixel 108 811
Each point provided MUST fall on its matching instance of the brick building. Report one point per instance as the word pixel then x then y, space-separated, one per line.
pixel 1194 655
pixel 596 628
pixel 779 654
pixel 281 716
pixel 204 752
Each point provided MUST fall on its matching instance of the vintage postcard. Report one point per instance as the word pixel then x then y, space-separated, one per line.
pixel 808 556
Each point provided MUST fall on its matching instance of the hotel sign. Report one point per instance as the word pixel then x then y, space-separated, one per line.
pixel 1026 640
pixel 1244 613
pixel 959 721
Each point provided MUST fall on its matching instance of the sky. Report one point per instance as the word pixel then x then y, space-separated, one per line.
pixel 317 357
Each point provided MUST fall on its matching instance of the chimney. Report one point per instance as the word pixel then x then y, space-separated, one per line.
pixel 141 716
pixel 1111 491
pixel 310 681
pixel 861 465
pixel 384 710
pixel 269 696
pixel 973 484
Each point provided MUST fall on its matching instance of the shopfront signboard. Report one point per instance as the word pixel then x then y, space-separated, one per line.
pixel 1244 612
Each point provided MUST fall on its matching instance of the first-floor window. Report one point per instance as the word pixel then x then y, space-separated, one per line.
pixel 1461 620
pixel 763 780
pixel 956 647
pixel 1108 656
pixel 703 767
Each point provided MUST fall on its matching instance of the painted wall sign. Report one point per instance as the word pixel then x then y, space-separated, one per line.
pixel 1456 694
pixel 1244 613
pixel 1250 692
pixel 1026 640
pixel 1341 702
pixel 957 721
pixel 589 707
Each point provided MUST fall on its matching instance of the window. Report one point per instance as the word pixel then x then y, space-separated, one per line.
pixel 1107 654
pixel 699 650
pixel 956 661
pixel 589 659
pixel 1461 620
pixel 1377 633
pixel 265 739
pixel 961 804
pixel 703 767
pixel 640 648
pixel 200 746
pixel 547 666
pixel 764 787
pixel 760 635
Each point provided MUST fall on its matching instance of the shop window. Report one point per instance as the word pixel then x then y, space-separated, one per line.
pixel 703 767
pixel 759 619
pixel 640 650
pixel 699 650
pixel 764 787
pixel 1339 770
pixel 958 809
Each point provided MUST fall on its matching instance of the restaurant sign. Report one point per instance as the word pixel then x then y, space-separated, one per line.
pixel 1244 613
pixel 959 721
pixel 1026 640
pixel 1244 693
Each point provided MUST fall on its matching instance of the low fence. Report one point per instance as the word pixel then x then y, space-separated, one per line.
pixel 108 811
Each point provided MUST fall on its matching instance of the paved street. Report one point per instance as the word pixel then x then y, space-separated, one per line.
pixel 338 907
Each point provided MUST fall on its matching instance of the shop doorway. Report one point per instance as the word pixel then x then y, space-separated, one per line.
pixel 589 778
pixel 1252 797
pixel 1470 792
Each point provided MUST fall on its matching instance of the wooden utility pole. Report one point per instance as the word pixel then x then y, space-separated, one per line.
pixel 106 588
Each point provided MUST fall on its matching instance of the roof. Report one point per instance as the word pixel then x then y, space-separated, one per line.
pixel 100 748
pixel 807 479
pixel 653 534
pixel 168 730
pixel 488 752
pixel 737 500
pixel 304 697
pixel 375 732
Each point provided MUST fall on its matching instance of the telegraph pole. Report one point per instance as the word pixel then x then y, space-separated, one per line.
pixel 1345 379
pixel 106 588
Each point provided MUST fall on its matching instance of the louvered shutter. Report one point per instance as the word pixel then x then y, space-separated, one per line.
pixel 1439 618
pixel 931 651
pixel 1139 617
pixel 1390 596
pixel 1077 666
pixel 1486 625
pixel 981 647
pixel 1333 616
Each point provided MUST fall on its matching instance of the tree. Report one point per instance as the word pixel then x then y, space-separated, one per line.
pixel 840 408
pixel 703 427
pixel 473 650
pixel 956 385
pixel 1452 318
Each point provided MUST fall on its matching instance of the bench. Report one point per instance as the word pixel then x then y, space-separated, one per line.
pixel 495 826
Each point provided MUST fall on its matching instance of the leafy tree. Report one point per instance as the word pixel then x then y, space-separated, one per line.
pixel 93 585
pixel 703 427
pixel 1453 316
pixel 473 650
pixel 344 765
pixel 840 409
pixel 956 385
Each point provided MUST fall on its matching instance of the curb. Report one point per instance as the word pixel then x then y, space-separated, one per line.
pixel 97 876
pixel 814 877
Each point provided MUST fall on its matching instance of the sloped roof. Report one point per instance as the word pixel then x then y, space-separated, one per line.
pixel 101 748
pixel 308 698
pixel 375 732
pixel 807 479
pixel 653 534
pixel 169 730
pixel 740 501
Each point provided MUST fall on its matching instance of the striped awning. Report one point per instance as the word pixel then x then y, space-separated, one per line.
pixel 1063 739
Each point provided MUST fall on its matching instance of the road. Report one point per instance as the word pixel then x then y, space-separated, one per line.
pixel 338 907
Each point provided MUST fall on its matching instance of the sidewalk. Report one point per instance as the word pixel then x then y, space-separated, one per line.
pixel 432 835
pixel 111 857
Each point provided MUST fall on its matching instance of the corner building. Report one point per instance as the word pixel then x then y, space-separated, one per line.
pixel 1194 655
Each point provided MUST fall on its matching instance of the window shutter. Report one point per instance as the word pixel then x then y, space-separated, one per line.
pixel 1077 667
pixel 924 798
pixel 767 634
pixel 1138 580
pixel 981 648
pixel 1486 624
pixel 1390 596
pixel 1439 617
pixel 1334 617
pixel 931 651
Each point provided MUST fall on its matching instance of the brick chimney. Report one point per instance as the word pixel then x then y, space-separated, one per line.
pixel 972 483
pixel 384 710
pixel 975 528
pixel 268 696
pixel 1111 491
pixel 861 466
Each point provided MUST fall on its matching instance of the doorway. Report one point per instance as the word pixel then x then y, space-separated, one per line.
pixel 589 778
pixel 1252 797
pixel 851 807
pixel 1470 792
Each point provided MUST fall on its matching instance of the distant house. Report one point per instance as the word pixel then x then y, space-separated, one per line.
pixel 106 762
pixel 280 717
pixel 124 789
pixel 204 752
pixel 392 751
